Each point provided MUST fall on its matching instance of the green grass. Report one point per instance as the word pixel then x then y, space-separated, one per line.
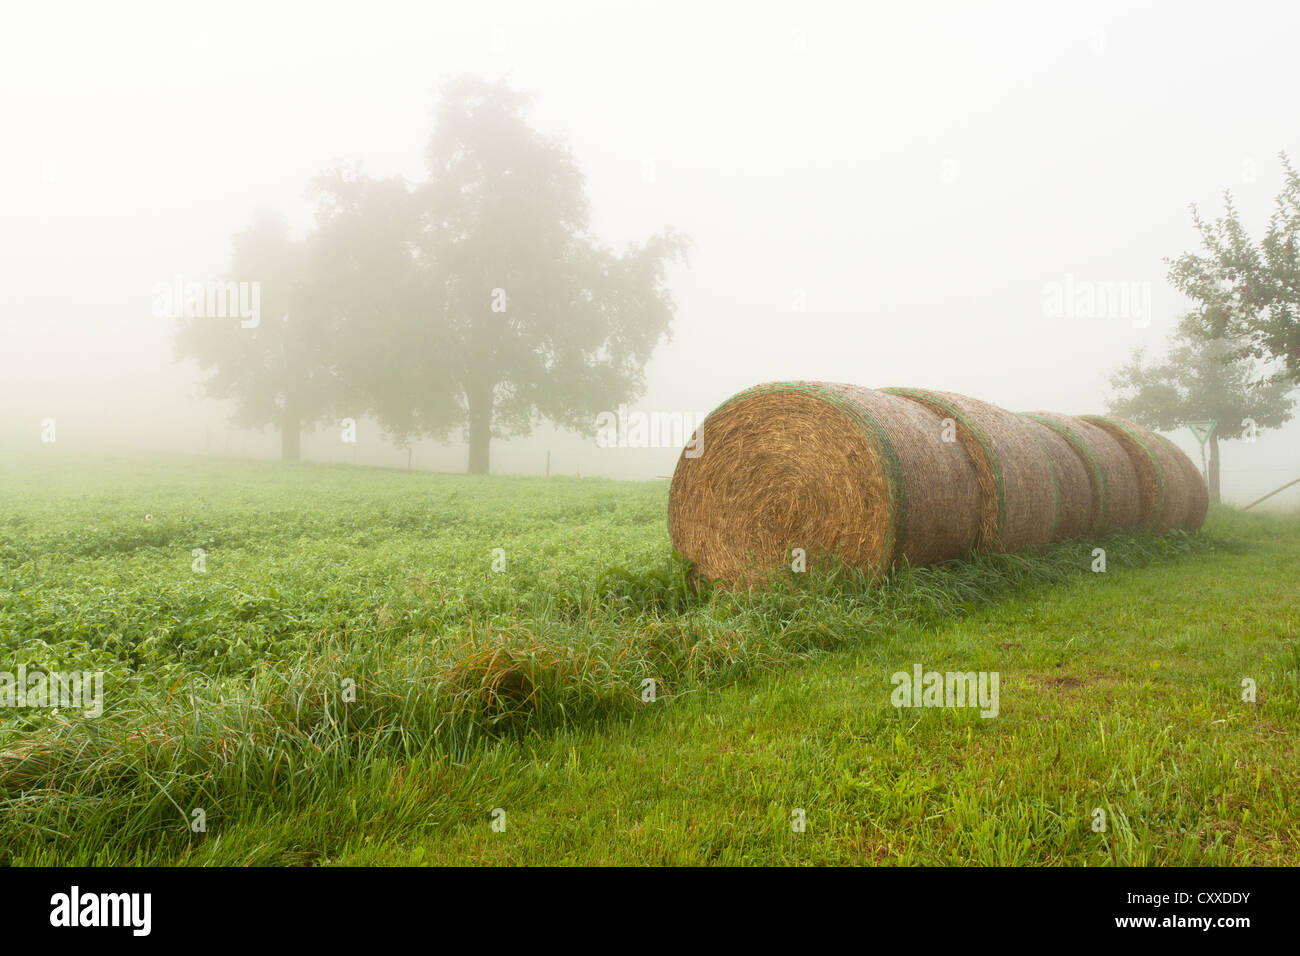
pixel 521 690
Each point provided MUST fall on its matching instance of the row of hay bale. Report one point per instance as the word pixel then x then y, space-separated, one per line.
pixel 906 474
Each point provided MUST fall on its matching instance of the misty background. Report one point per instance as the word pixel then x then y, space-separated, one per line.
pixel 912 177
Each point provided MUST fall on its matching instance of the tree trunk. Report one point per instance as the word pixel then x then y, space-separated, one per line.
pixel 290 439
pixel 480 428
pixel 1214 468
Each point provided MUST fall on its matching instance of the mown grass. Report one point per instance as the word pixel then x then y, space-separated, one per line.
pixel 522 690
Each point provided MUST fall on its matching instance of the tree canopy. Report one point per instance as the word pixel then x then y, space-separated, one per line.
pixel 1248 292
pixel 278 369
pixel 1202 379
pixel 475 302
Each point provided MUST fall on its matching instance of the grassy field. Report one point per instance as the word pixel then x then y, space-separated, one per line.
pixel 352 672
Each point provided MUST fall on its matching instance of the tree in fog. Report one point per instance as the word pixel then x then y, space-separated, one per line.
pixel 1248 293
pixel 277 372
pixel 1236 356
pixel 528 317
pixel 476 302
pixel 383 305
pixel 1202 379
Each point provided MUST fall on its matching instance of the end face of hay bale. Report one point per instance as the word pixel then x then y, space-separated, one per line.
pixel 823 467
pixel 1018 489
pixel 1076 498
pixel 1165 497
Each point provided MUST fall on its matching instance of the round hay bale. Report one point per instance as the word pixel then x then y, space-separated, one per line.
pixel 1164 494
pixel 1094 471
pixel 1018 491
pixel 826 467
pixel 1116 498
pixel 1198 495
pixel 1076 503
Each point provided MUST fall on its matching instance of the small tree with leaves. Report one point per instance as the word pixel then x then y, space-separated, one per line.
pixel 1202 378
pixel 1248 292
pixel 534 319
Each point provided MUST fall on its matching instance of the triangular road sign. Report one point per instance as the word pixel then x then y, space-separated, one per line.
pixel 1202 430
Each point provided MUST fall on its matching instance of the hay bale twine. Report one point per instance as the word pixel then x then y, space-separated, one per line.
pixel 1018 492
pixel 826 467
pixel 1198 495
pixel 1076 503
pixel 1116 499
pixel 1164 494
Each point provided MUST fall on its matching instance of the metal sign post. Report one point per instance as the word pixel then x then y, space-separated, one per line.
pixel 1203 431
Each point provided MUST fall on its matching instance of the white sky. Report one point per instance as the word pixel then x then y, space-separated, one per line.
pixel 919 171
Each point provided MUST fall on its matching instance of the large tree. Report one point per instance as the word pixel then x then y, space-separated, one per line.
pixel 475 301
pixel 1248 292
pixel 1202 379
pixel 277 370
pixel 383 304
pixel 533 319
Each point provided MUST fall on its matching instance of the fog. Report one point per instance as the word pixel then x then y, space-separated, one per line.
pixel 877 193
